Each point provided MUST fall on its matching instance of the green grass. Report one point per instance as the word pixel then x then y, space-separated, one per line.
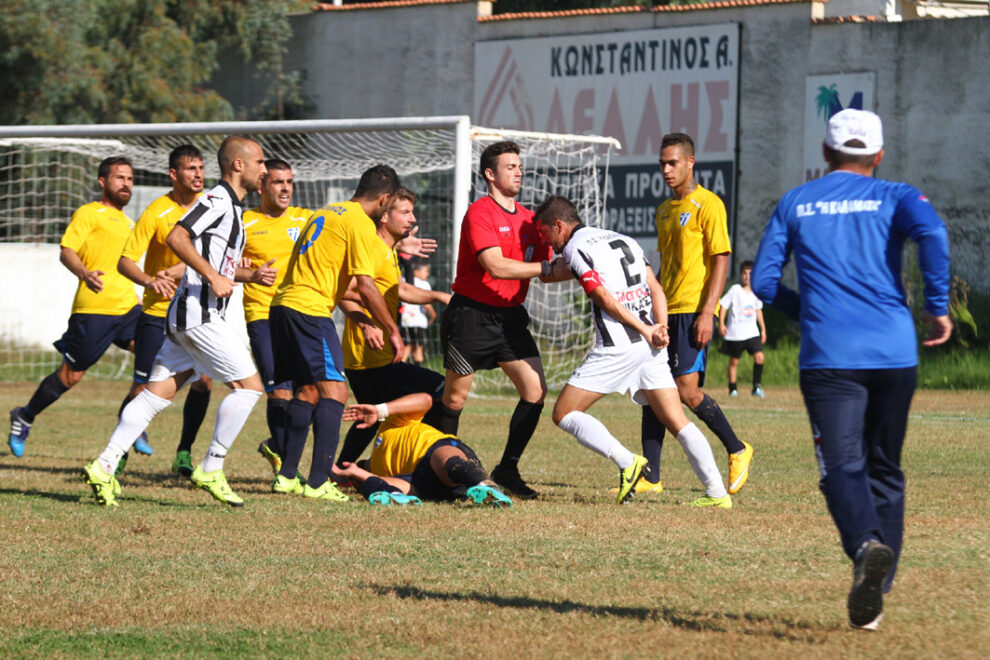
pixel 171 573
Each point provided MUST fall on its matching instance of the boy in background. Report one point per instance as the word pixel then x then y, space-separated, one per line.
pixel 740 323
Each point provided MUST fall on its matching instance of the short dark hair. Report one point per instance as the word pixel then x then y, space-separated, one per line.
pixel 678 140
pixel 419 262
pixel 376 181
pixel 108 164
pixel 489 157
pixel 183 151
pixel 746 265
pixel 277 164
pixel 402 193
pixel 837 158
pixel 556 207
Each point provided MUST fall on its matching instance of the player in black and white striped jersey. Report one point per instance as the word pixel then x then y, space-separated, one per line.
pixel 209 239
pixel 629 356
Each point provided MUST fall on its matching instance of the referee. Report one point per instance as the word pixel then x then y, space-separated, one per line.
pixel 486 326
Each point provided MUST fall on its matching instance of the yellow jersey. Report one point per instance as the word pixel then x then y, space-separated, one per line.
pixel 269 238
pixel 97 234
pixel 401 443
pixel 357 355
pixel 335 245
pixel 149 236
pixel 689 232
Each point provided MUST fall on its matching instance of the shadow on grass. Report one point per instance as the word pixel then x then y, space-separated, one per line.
pixel 696 620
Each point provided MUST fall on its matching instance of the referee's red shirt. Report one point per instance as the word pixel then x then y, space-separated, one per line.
pixel 487 225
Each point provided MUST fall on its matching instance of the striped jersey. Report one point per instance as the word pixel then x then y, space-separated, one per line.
pixel 217 233
pixel 599 257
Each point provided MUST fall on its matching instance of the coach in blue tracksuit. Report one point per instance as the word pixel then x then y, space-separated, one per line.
pixel 859 351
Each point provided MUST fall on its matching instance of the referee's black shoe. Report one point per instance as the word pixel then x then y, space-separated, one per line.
pixel 512 481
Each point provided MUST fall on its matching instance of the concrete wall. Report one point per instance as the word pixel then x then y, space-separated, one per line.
pixel 933 89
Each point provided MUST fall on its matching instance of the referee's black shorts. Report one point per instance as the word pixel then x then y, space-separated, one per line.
pixel 477 336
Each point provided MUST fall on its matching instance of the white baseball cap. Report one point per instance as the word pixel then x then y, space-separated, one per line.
pixel 851 124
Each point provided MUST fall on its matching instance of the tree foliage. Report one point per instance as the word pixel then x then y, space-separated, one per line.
pixel 110 61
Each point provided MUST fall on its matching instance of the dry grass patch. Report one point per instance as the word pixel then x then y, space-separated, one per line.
pixel 173 573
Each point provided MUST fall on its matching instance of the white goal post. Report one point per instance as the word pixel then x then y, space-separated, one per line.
pixel 46 172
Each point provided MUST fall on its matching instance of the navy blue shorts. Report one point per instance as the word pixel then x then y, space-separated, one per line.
pixel 306 349
pixel 260 336
pixel 427 484
pixel 149 335
pixel 391 381
pixel 89 336
pixel 682 355
pixel 476 336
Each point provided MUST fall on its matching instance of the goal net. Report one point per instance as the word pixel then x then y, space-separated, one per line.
pixel 47 172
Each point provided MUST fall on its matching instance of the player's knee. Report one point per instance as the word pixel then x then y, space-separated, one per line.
pixel 758 357
pixel 559 413
pixel 69 376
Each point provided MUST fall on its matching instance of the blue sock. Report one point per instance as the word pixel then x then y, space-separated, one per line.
pixel 48 392
pixel 326 436
pixel 711 414
pixel 277 416
pixel 193 414
pixel 651 433
pixel 299 414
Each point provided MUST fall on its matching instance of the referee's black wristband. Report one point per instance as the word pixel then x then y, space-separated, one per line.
pixel 547 267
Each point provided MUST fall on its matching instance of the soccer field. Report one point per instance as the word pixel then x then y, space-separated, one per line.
pixel 172 572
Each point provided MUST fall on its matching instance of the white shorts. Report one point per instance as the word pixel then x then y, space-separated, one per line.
pixel 629 371
pixel 213 349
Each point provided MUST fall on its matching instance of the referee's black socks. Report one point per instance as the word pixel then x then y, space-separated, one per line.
pixel 521 427
pixel 442 418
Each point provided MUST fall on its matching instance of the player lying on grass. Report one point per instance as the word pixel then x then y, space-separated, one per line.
pixel 629 355
pixel 413 460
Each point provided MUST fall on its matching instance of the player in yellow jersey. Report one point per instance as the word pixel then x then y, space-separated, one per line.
pixel 272 230
pixel 335 246
pixel 374 375
pixel 413 460
pixel 162 269
pixel 693 240
pixel 105 309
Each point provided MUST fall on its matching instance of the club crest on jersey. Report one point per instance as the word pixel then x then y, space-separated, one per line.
pixel 684 218
pixel 529 252
pixel 293 233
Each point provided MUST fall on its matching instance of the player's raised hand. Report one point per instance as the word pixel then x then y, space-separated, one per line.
pixel 417 247
pixel 265 274
pixel 94 280
pixel 363 413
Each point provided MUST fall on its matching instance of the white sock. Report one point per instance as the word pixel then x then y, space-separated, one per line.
pixel 702 461
pixel 231 416
pixel 134 419
pixel 592 434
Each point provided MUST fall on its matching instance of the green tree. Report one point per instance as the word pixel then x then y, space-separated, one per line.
pixel 108 61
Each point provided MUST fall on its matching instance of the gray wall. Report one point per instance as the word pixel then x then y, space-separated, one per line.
pixel 933 90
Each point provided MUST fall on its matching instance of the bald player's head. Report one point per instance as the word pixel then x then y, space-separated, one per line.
pixel 232 148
